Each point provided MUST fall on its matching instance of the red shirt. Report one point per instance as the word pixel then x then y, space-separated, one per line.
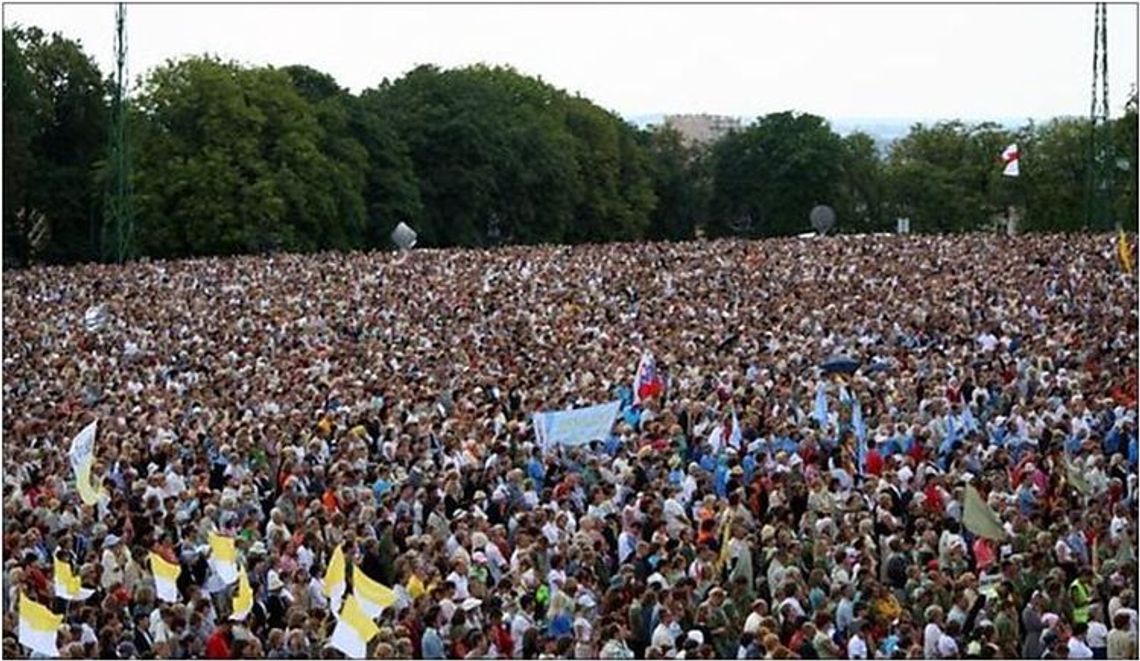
pixel 874 462
pixel 501 637
pixel 217 647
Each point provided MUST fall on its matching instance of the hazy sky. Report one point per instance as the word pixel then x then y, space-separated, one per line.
pixel 855 61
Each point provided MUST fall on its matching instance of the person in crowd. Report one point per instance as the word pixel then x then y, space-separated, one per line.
pixel 801 429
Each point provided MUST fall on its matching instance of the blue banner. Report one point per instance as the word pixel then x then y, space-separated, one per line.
pixel 576 427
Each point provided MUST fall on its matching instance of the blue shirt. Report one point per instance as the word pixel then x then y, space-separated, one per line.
pixel 432 645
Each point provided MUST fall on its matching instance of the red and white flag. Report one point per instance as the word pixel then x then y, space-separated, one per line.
pixel 648 382
pixel 1010 158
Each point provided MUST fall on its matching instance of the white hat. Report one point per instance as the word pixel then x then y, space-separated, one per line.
pixel 697 637
pixel 274 582
pixel 471 603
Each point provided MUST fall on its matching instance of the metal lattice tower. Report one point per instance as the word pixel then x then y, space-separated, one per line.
pixel 118 221
pixel 1098 213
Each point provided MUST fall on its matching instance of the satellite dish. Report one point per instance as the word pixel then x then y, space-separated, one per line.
pixel 822 218
pixel 404 237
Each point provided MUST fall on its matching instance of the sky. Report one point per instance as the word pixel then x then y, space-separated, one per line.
pixel 971 62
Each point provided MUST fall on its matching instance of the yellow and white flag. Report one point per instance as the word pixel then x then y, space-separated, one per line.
pixel 67 584
pixel 223 557
pixel 1124 252
pixel 979 518
pixel 353 630
pixel 82 455
pixel 373 597
pixel 165 578
pixel 243 599
pixel 38 627
pixel 334 583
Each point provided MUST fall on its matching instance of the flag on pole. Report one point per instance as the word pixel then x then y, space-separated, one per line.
pixel 335 583
pixel 725 540
pixel 165 578
pixel 736 437
pixel 223 557
pixel 67 584
pixel 38 627
pixel 243 599
pixel 820 413
pixel 82 456
pixel 716 438
pixel 353 630
pixel 1011 158
pixel 1124 251
pixel 648 383
pixel 860 429
pixel 968 420
pixel 1075 479
pixel 372 596
pixel 979 518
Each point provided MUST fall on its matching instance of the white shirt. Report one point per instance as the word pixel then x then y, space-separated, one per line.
pixel 752 623
pixel 519 626
pixel 316 592
pixel 305 558
pixel 947 648
pixel 1097 635
pixel 930 637
pixel 627 544
pixel 856 648
pixel 460 585
pixel 1064 553
pixel 662 637
pixel 1078 650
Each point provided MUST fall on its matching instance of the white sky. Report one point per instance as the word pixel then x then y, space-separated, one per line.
pixel 855 61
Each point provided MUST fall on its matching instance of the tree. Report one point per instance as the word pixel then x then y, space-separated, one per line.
pixel 860 203
pixel 1055 175
pixel 233 161
pixel 680 184
pixel 55 114
pixel 502 156
pixel 947 177
pixel 773 173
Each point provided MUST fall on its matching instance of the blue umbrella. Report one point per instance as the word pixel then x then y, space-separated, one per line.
pixel 840 364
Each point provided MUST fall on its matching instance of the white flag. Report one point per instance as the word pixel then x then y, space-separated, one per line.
pixel 1011 157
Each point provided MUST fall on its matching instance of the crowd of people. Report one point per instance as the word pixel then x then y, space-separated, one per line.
pixel 383 404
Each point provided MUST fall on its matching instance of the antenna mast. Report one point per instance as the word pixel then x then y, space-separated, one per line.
pixel 1098 213
pixel 118 222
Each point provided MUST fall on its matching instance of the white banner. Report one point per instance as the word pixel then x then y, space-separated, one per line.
pixel 576 427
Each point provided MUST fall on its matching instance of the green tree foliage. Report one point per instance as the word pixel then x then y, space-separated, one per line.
pixel 767 177
pixel 680 182
pixel 231 159
pixel 862 195
pixel 235 160
pixel 55 132
pixel 1054 175
pixel 948 177
pixel 503 157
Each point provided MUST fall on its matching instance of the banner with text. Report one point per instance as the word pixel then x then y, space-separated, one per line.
pixel 576 427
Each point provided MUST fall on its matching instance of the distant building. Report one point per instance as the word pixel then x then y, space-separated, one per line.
pixel 702 129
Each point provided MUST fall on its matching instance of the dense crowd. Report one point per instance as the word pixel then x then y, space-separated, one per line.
pixel 383 404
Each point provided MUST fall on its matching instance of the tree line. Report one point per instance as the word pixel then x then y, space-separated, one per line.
pixel 229 159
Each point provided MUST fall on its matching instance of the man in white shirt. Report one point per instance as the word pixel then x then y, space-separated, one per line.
pixel 948 647
pixel 627 542
pixel 856 646
pixel 666 632
pixel 458 578
pixel 1078 649
pixel 759 612
pixel 932 633
pixel 521 623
